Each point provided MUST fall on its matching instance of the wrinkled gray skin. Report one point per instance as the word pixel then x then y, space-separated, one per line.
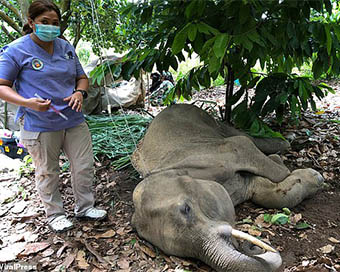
pixel 195 171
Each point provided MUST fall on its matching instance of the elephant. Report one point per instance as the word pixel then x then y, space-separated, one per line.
pixel 195 170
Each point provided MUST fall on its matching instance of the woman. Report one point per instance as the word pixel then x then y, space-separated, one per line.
pixel 50 87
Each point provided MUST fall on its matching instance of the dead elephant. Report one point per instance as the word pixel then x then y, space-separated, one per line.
pixel 195 171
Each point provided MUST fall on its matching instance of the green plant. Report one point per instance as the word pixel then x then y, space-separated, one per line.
pixel 27 168
pixel 231 38
pixel 22 192
pixel 116 137
pixel 84 56
pixel 219 81
pixel 277 93
pixel 284 218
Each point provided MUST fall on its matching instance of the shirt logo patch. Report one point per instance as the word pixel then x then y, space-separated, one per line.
pixel 37 64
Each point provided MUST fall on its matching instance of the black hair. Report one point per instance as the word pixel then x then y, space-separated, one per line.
pixel 37 8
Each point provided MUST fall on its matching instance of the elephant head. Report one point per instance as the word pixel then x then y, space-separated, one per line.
pixel 194 218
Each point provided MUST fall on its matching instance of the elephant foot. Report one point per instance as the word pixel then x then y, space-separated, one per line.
pixel 299 185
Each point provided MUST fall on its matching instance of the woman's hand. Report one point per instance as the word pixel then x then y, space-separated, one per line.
pixel 38 104
pixel 75 101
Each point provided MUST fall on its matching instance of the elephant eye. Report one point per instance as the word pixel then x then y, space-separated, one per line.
pixel 185 209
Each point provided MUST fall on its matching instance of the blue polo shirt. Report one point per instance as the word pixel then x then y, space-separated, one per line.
pixel 52 77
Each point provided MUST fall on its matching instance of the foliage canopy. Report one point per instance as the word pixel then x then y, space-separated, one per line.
pixel 231 38
pixel 96 21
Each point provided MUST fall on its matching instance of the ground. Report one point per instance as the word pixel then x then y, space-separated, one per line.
pixel 310 241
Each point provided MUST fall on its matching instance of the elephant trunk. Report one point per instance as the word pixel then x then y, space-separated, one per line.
pixel 219 253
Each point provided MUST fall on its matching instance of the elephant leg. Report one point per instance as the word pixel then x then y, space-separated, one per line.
pixel 300 184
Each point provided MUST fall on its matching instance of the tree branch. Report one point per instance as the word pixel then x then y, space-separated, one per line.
pixel 65 6
pixel 4 29
pixel 24 5
pixel 77 34
pixel 10 22
pixel 65 14
pixel 12 8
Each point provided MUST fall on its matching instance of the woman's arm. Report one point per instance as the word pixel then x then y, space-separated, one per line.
pixel 76 99
pixel 9 95
pixel 82 83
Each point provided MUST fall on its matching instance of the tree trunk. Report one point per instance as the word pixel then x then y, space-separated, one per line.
pixel 77 33
pixel 228 94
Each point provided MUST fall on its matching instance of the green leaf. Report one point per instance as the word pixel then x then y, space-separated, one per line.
pixel 207 45
pixel 279 219
pixel 283 98
pixel 267 217
pixel 317 68
pixel 290 30
pixel 328 39
pixel 337 31
pixel 190 9
pixel 286 211
pixel 146 15
pixel 302 225
pixel 207 29
pixel 173 63
pixel 179 40
pixel 255 127
pixel 214 64
pixel 255 37
pixel 244 14
pixel 220 45
pixel 192 31
pixel 243 40
pixel 198 43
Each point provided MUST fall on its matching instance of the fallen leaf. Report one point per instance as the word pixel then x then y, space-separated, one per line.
pixel 148 251
pixel 48 252
pixel 254 232
pixel 123 263
pixel 325 260
pixel 108 234
pixel 30 237
pixel 3 211
pixel 10 253
pixel 296 218
pixel 19 207
pixel 82 263
pixel 259 221
pixel 121 231
pixel 303 236
pixel 69 260
pixel 26 217
pixel 61 250
pixel 327 249
pixel 34 248
pixel 333 240
pixel 111 184
pixel 17 238
pixel 86 229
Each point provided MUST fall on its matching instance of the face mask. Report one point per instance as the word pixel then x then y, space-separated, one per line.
pixel 47 33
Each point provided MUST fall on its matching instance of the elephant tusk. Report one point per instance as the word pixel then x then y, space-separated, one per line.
pixel 241 235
